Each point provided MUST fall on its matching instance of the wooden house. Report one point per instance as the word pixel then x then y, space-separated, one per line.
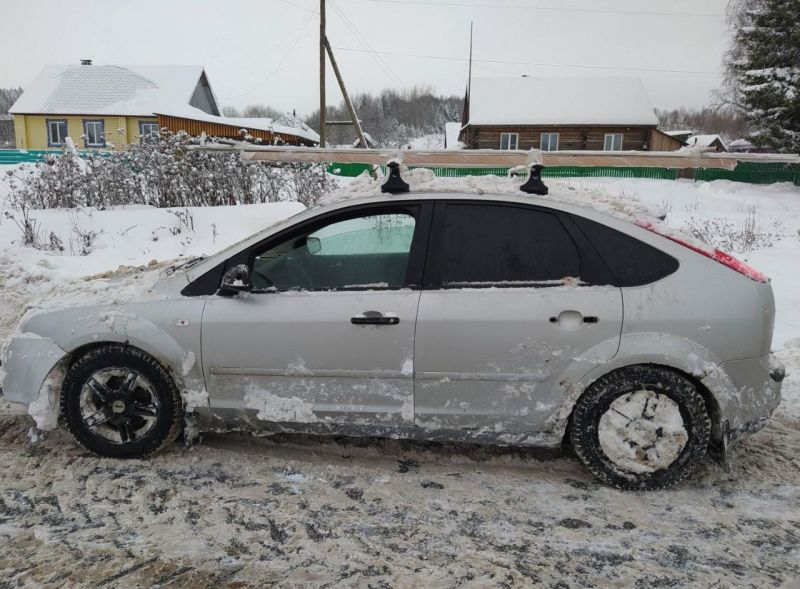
pixel 111 107
pixel 591 113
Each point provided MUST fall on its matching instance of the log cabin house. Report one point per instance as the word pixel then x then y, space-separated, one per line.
pixel 591 113
pixel 111 107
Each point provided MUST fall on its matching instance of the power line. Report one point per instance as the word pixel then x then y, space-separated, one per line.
pixel 544 8
pixel 280 63
pixel 533 63
pixel 368 47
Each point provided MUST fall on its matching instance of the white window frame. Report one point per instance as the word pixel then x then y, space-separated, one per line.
pixel 148 124
pixel 509 137
pixel 549 137
pixel 93 122
pixel 56 123
pixel 612 137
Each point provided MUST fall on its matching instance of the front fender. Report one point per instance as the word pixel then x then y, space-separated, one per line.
pixel 27 360
pixel 169 331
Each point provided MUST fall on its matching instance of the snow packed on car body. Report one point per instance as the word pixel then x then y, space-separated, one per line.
pixel 492 318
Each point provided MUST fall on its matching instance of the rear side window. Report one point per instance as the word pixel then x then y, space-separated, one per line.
pixel 485 245
pixel 632 262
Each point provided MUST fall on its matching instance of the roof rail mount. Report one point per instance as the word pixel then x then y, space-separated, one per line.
pixel 395 184
pixel 534 184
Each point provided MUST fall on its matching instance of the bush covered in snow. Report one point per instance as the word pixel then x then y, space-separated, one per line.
pixel 162 172
pixel 748 235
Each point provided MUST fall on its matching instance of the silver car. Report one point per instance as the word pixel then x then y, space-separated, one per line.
pixel 498 319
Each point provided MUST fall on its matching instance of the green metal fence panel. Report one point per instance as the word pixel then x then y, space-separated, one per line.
pixel 30 156
pixel 753 173
pixel 750 172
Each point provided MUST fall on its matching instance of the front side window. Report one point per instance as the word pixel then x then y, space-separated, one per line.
pixel 56 132
pixel 148 129
pixel 94 133
pixel 549 142
pixel 487 245
pixel 368 252
pixel 613 142
pixel 509 140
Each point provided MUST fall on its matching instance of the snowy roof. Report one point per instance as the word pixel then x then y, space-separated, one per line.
pixel 136 90
pixel 297 127
pixel 560 101
pixel 451 132
pixel 705 141
pixel 679 132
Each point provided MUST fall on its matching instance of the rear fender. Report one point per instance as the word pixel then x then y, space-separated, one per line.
pixel 649 348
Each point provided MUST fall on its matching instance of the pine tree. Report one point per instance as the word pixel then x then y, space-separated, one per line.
pixel 763 70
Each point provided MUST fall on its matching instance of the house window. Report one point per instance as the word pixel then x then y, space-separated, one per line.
pixel 613 142
pixel 148 129
pixel 509 140
pixel 549 142
pixel 56 132
pixel 94 133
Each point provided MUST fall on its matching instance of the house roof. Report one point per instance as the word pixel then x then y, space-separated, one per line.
pixel 560 101
pixel 287 125
pixel 705 141
pixel 137 90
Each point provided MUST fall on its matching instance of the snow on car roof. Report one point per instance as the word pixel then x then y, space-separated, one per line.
pixel 560 101
pixel 423 183
pixel 136 90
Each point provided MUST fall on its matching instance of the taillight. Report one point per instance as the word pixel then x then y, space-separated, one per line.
pixel 707 251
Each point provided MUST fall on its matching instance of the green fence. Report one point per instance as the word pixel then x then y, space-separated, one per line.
pixel 750 172
pixel 753 173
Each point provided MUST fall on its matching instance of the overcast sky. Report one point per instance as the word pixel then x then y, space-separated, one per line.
pixel 266 51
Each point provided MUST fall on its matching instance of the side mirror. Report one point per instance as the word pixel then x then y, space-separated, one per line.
pixel 313 245
pixel 235 280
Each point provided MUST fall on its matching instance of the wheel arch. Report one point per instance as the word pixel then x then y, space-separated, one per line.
pixel 680 355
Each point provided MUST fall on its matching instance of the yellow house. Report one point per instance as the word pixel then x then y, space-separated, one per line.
pixel 105 106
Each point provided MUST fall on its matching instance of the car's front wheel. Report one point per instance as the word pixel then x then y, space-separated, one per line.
pixel 120 402
pixel 641 427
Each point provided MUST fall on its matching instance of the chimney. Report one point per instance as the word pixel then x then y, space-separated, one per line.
pixel 86 62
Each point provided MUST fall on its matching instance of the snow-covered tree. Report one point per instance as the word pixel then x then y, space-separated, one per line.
pixel 763 70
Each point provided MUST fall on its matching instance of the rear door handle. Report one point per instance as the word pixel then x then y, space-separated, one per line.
pixel 375 318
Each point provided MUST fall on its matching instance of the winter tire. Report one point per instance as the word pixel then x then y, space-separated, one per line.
pixel 119 402
pixel 641 428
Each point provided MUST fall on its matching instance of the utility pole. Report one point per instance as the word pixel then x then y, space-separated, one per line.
pixel 469 79
pixel 322 73
pixel 347 101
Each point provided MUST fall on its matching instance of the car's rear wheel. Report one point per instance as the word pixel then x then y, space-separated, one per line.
pixel 120 402
pixel 641 428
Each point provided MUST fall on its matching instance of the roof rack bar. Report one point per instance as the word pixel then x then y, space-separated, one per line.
pixel 484 158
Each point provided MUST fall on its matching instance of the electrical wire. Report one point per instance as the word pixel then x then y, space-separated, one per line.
pixel 367 47
pixel 544 8
pixel 280 63
pixel 533 63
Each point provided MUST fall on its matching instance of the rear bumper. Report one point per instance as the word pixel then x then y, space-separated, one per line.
pixel 754 396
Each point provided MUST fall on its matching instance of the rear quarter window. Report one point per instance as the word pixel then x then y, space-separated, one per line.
pixel 632 262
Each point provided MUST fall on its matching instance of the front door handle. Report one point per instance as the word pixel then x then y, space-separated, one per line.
pixel 374 318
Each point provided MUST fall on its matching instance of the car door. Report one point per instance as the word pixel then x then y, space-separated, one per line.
pixel 511 298
pixel 326 333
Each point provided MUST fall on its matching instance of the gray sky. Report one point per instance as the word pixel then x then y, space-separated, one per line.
pixel 266 51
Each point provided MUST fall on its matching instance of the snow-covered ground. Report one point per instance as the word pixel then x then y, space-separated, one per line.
pixel 301 511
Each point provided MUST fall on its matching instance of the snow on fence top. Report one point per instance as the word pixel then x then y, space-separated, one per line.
pixel 560 101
